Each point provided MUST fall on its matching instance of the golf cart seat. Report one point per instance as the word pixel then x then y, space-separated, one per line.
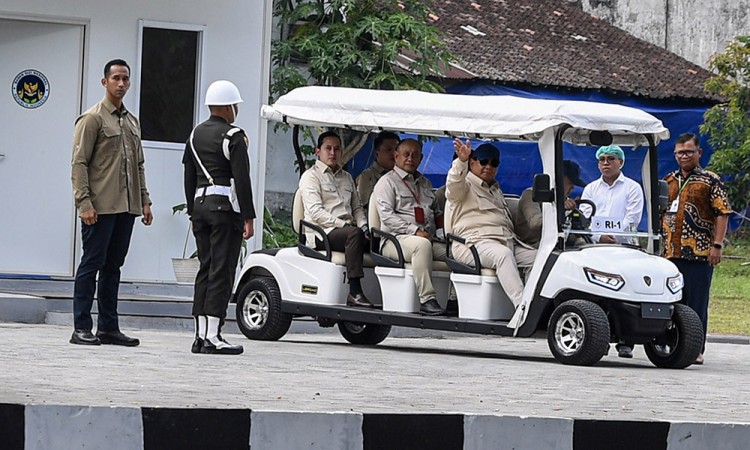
pixel 301 226
pixel 396 278
pixel 480 295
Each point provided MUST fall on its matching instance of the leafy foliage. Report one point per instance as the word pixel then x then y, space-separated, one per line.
pixel 374 44
pixel 277 233
pixel 728 123
pixel 356 43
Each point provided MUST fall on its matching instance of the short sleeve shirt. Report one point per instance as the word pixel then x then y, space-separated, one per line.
pixel 688 232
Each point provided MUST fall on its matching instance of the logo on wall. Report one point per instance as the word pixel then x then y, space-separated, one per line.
pixel 30 89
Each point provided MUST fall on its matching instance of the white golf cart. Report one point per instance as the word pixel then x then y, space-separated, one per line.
pixel 585 296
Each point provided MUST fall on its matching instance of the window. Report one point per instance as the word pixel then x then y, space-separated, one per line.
pixel 168 82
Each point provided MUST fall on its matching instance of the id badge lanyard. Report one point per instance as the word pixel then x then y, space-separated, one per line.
pixel 676 201
pixel 419 215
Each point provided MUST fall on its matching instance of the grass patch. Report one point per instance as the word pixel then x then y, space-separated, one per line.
pixel 729 307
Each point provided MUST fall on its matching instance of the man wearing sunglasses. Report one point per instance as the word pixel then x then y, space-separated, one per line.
pixel 481 215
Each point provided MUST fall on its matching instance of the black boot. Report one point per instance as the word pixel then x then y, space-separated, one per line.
pixel 214 343
pixel 200 334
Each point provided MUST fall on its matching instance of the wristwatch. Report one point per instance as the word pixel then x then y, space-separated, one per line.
pixel 718 245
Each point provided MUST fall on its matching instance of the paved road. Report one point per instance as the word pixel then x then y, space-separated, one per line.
pixel 321 372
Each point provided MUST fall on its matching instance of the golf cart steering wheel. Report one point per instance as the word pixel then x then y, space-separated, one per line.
pixel 583 220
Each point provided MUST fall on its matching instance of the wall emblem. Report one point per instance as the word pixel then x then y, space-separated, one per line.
pixel 30 89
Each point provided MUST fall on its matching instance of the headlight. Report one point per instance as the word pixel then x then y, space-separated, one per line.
pixel 607 280
pixel 675 283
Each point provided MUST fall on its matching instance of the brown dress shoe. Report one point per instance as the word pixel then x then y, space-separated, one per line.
pixel 358 300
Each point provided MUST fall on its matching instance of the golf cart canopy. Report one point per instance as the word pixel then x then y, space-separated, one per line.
pixel 503 117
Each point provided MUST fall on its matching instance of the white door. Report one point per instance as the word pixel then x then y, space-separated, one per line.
pixel 40 82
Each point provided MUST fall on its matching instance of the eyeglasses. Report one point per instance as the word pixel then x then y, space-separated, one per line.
pixel 493 162
pixel 684 153
pixel 609 159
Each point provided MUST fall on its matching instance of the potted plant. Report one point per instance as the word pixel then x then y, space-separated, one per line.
pixel 185 268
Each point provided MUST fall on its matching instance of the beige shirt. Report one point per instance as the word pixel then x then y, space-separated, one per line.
pixel 478 209
pixel 397 194
pixel 107 165
pixel 528 221
pixel 366 182
pixel 330 199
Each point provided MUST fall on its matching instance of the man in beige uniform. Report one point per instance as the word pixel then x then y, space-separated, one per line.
pixel 109 185
pixel 480 215
pixel 407 209
pixel 385 145
pixel 332 203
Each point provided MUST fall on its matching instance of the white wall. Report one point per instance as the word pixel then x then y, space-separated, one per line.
pixel 234 48
pixel 693 29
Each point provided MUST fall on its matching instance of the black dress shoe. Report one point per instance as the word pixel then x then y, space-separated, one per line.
pixel 624 351
pixel 197 345
pixel 117 338
pixel 358 300
pixel 84 337
pixel 431 308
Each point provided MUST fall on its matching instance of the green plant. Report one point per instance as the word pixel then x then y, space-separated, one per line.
pixel 375 44
pixel 728 123
pixel 276 232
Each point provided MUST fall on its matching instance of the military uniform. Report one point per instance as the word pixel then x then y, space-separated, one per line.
pixel 222 149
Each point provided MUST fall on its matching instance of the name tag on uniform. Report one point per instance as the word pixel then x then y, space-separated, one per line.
pixel 675 204
pixel 605 224
pixel 419 215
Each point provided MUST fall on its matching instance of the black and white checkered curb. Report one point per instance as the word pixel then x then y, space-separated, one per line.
pixel 120 428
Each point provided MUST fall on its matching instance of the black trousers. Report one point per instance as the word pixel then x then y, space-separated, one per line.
pixel 695 293
pixel 218 236
pixel 350 240
pixel 105 245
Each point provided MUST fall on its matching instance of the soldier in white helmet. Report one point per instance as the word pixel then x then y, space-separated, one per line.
pixel 220 204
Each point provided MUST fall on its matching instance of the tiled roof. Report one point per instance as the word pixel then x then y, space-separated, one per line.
pixel 552 43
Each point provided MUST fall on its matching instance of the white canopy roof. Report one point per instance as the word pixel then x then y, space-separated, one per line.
pixel 500 117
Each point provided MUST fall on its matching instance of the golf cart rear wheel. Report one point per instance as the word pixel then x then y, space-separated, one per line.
pixel 681 342
pixel 258 311
pixel 363 333
pixel 578 333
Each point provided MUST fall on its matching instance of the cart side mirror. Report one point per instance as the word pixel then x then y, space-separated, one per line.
pixel 541 192
pixel 663 195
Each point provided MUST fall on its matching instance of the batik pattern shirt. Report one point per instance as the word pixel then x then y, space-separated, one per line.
pixel 688 232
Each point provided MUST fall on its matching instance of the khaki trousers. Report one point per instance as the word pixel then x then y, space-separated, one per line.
pixel 420 252
pixel 504 258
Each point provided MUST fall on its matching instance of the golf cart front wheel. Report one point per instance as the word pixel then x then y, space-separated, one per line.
pixel 258 311
pixel 681 342
pixel 578 333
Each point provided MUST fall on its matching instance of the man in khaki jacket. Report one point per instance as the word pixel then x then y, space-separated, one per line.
pixel 480 215
pixel 407 208
pixel 109 185
pixel 385 146
pixel 331 202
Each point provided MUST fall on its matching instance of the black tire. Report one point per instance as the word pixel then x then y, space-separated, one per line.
pixel 364 333
pixel 578 333
pixel 258 311
pixel 681 342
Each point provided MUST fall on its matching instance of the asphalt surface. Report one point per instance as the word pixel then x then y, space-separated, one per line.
pixel 322 372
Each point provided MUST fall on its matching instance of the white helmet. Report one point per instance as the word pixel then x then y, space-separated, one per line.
pixel 222 92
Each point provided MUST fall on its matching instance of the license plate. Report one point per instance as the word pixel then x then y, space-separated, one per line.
pixel 656 311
